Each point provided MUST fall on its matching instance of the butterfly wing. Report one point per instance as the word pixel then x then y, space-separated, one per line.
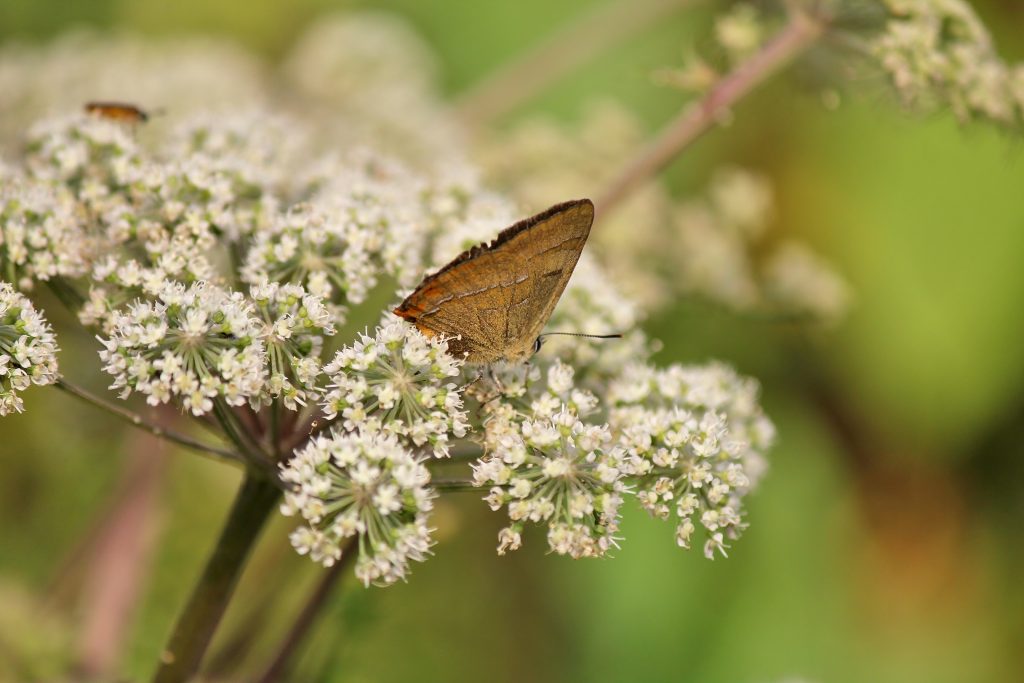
pixel 497 297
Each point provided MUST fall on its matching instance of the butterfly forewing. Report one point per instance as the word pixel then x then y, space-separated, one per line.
pixel 498 297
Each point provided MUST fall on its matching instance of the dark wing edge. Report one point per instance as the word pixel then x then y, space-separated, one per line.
pixel 403 310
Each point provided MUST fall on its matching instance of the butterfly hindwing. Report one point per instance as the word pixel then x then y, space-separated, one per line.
pixel 499 296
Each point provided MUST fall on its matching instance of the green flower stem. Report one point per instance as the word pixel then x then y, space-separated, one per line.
pixel 66 293
pixel 281 663
pixel 136 420
pixel 239 435
pixel 799 35
pixel 457 485
pixel 180 660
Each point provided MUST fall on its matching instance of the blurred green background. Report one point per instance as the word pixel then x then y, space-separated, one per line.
pixel 886 540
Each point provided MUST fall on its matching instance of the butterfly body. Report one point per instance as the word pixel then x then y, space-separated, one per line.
pixel 492 301
pixel 117 111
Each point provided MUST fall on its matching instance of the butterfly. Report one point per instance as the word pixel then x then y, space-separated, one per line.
pixel 493 300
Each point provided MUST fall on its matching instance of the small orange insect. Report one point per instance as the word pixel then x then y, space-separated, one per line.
pixel 117 111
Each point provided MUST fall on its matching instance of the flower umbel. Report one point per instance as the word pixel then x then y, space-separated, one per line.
pixel 939 53
pixel 39 236
pixel 294 325
pixel 198 343
pixel 559 471
pixel 400 381
pixel 697 437
pixel 361 484
pixel 28 350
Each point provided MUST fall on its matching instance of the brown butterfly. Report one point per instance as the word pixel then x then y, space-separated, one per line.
pixel 493 300
pixel 117 111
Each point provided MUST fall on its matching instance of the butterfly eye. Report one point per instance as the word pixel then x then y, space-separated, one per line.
pixel 537 344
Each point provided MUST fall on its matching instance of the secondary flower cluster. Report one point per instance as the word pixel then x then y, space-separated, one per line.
pixel 725 253
pixel 558 471
pixel 334 251
pixel 294 326
pixel 362 492
pixel 38 232
pixel 198 343
pixel 938 53
pixel 697 438
pixel 400 381
pixel 28 350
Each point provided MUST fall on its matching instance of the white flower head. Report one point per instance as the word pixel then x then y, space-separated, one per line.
pixel 401 381
pixel 28 349
pixel 696 439
pixel 315 249
pixel 798 280
pixel 198 344
pixel 560 472
pixel 294 324
pixel 40 236
pixel 938 53
pixel 365 485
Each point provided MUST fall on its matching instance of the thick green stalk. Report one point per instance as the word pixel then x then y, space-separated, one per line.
pixel 279 666
pixel 195 628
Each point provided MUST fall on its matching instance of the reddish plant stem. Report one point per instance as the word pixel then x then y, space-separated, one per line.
pixel 118 562
pixel 800 33
pixel 318 599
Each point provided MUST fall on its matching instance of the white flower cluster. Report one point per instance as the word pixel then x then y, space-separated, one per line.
pixel 803 282
pixel 143 220
pixel 91 155
pixel 332 251
pixel 696 436
pixel 724 254
pixel 28 350
pixel 294 326
pixel 181 72
pixel 938 53
pixel 527 390
pixel 225 146
pixel 462 214
pixel 364 485
pixel 558 471
pixel 39 233
pixel 399 381
pixel 380 202
pixel 369 76
pixel 199 343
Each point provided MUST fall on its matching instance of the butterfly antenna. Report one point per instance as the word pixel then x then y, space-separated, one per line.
pixel 580 334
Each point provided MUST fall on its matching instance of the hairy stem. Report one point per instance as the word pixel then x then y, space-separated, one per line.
pixel 522 78
pixel 281 663
pixel 457 485
pixel 192 634
pixel 800 33
pixel 136 420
